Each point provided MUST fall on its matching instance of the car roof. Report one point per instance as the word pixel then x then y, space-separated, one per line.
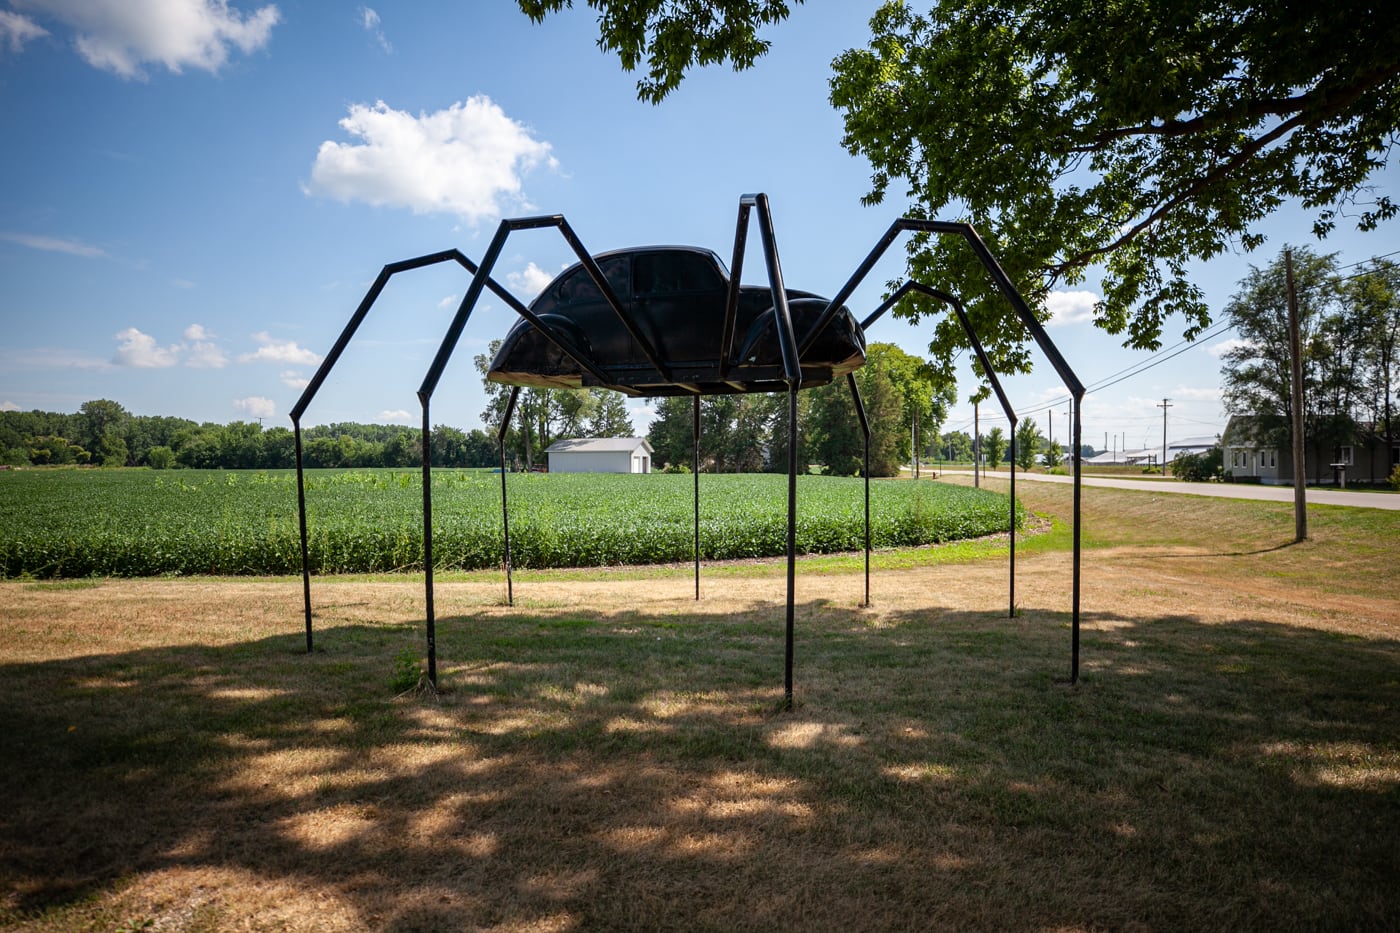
pixel 662 248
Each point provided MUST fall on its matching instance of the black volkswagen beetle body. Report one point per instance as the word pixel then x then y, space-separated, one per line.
pixel 677 298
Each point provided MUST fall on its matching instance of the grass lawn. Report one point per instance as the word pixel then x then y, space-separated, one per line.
pixel 610 753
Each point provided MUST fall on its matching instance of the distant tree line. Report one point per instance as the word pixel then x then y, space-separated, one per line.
pixel 543 416
pixel 749 433
pixel 104 433
pixel 739 433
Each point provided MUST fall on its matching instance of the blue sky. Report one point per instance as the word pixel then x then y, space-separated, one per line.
pixel 197 195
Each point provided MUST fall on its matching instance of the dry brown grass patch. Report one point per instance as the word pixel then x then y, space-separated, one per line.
pixel 613 754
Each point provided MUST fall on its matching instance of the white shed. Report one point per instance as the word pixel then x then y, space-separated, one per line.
pixel 600 455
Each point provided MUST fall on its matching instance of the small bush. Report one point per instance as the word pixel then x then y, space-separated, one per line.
pixel 408 671
pixel 1200 468
pixel 1394 480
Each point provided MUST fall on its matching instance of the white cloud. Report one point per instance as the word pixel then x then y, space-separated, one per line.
pixel 256 406
pixel 205 354
pixel 1225 346
pixel 50 358
pixel 451 301
pixel 397 414
pixel 16 30
pixel 7 405
pixel 466 160
pixel 141 350
pixel 294 380
pixel 369 19
pixel 1070 307
pixel 197 349
pixel 1197 393
pixel 123 35
pixel 54 244
pixel 529 282
pixel 279 351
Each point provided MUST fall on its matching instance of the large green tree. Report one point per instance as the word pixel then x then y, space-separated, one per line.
pixel 1375 296
pixel 737 432
pixel 1256 372
pixel 1132 137
pixel 1350 328
pixel 836 437
pixel 1027 443
pixel 994 445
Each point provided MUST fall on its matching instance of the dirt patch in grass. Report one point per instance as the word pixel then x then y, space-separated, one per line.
pixel 614 754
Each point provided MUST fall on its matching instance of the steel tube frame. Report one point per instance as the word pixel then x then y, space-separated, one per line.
pixel 348 332
pixel 791 350
pixel 1037 331
pixel 505 510
pixel 986 363
pixel 792 375
pixel 695 472
pixel 865 430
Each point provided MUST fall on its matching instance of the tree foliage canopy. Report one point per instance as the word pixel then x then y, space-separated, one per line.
pixel 1075 134
pixel 1349 331
pixel 675 35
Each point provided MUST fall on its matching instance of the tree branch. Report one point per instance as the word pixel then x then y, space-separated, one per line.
pixel 1320 103
pixel 1205 181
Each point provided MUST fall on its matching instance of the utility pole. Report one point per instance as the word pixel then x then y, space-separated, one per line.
pixel 1166 403
pixel 976 446
pixel 1300 464
pixel 1050 420
pixel 915 440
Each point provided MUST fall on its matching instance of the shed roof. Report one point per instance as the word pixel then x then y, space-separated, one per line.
pixel 598 445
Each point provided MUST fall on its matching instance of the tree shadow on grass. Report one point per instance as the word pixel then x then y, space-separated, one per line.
pixel 633 770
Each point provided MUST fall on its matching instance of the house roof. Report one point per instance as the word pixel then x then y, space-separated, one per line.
pixel 1187 445
pixel 598 445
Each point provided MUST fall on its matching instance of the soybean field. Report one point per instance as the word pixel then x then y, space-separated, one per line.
pixel 127 522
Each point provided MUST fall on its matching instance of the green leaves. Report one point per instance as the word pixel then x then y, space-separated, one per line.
pixel 1136 136
pixel 673 36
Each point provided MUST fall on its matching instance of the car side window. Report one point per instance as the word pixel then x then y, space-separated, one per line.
pixel 578 288
pixel 669 273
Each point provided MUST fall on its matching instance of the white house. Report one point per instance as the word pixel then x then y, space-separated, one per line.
pixel 600 455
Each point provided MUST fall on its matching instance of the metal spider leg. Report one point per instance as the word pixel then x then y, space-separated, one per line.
pixel 961 312
pixel 696 476
pixel 1047 346
pixel 865 431
pixel 505 512
pixel 328 363
pixel 792 374
pixel 481 280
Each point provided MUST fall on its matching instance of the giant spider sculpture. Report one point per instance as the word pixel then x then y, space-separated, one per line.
pixel 666 321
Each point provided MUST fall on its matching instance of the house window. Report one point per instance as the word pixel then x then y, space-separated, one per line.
pixel 1241 459
pixel 1342 455
pixel 1268 458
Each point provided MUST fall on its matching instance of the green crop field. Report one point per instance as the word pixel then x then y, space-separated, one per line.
pixel 78 523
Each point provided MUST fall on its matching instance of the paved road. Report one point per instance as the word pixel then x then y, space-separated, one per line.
pixel 1365 500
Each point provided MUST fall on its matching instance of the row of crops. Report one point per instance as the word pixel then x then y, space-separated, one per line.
pixel 77 523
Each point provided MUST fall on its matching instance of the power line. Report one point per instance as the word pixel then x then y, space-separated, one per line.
pixel 1142 366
